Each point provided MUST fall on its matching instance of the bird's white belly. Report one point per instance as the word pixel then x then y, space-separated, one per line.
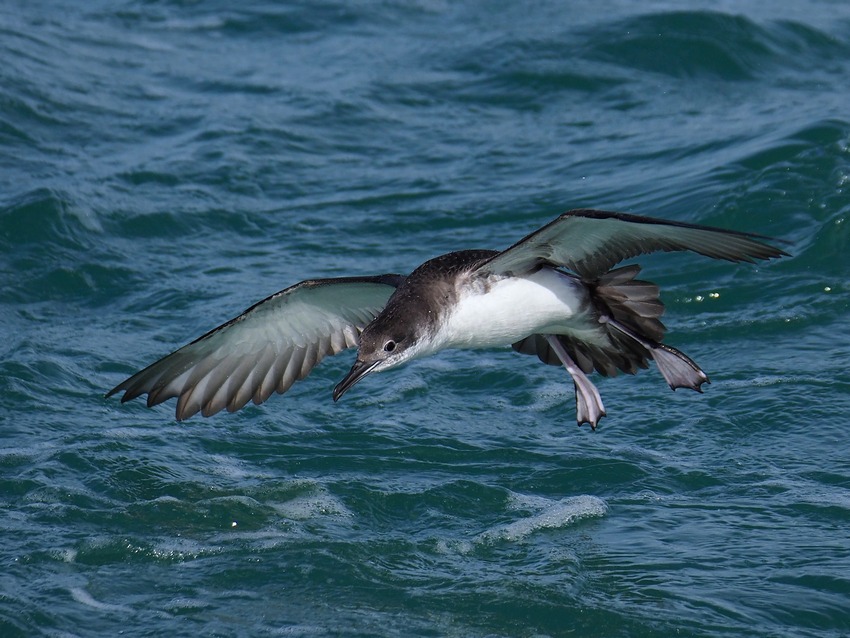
pixel 506 310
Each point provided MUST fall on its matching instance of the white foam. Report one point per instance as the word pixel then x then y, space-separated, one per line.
pixel 227 466
pixel 517 501
pixel 183 605
pixel 317 503
pixel 554 515
pixel 83 597
pixel 67 555
pixel 182 549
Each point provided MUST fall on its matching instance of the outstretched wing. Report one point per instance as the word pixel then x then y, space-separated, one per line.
pixel 591 242
pixel 265 349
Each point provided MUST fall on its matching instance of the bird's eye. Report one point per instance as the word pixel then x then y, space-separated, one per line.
pixel 389 346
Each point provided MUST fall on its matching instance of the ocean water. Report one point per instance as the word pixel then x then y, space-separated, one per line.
pixel 163 165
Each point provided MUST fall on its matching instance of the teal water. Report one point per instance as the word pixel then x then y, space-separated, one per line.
pixel 163 165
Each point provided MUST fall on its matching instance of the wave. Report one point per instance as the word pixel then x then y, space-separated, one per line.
pixel 548 515
pixel 708 44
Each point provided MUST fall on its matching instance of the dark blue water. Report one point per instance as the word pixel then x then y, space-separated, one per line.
pixel 163 165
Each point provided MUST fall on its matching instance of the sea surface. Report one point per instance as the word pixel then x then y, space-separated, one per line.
pixel 164 165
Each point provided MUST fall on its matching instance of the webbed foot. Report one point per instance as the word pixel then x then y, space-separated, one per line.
pixel 589 408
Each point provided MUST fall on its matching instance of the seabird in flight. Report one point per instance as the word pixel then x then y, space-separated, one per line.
pixel 555 294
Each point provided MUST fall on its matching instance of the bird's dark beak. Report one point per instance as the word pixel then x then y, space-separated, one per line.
pixel 359 370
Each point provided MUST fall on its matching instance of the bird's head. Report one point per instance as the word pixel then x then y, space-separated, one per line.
pixel 385 343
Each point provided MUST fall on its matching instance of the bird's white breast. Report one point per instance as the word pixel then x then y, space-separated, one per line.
pixel 500 311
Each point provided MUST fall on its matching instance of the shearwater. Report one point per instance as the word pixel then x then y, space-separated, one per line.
pixel 554 294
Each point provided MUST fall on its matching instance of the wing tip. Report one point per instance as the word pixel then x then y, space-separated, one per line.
pixel 765 251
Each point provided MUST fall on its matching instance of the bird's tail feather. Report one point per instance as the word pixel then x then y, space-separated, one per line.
pixel 631 310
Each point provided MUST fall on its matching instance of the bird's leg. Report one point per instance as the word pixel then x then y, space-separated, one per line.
pixel 589 408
